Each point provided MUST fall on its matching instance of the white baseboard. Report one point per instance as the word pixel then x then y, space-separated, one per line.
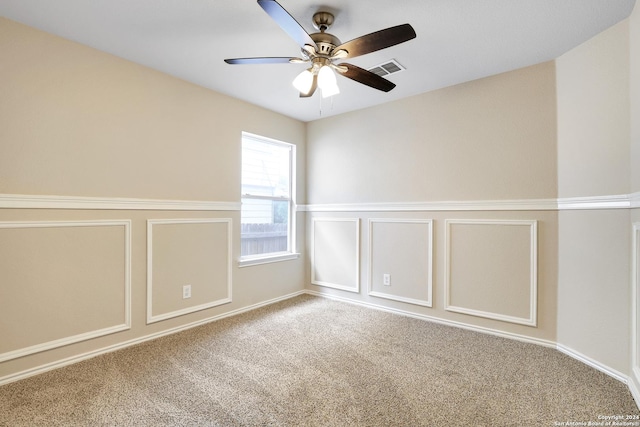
pixel 633 382
pixel 593 363
pixel 80 357
pixel 495 332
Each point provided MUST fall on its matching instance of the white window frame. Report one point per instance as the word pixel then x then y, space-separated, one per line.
pixel 291 253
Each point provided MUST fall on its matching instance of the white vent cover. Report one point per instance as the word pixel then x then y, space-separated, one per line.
pixel 390 67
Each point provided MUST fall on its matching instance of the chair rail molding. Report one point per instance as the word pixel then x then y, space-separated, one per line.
pixel 23 201
pixel 618 201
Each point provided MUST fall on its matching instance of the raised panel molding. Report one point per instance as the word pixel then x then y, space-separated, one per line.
pixel 229 282
pixel 531 319
pixel 126 321
pixel 354 267
pixel 428 260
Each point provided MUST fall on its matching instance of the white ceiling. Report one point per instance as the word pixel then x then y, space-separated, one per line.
pixel 457 40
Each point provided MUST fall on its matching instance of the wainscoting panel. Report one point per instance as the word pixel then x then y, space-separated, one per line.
pixel 62 282
pixel 187 252
pixel 491 269
pixel 403 250
pixel 335 253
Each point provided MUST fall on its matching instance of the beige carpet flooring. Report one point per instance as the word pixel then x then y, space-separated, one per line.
pixel 311 361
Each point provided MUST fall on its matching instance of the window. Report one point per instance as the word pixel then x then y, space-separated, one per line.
pixel 267 215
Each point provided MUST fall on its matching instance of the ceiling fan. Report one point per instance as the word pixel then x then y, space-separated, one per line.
pixel 323 51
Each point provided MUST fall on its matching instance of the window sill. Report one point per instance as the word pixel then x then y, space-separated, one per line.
pixel 249 261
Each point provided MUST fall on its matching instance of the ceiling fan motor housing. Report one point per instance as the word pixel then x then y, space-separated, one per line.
pixel 326 42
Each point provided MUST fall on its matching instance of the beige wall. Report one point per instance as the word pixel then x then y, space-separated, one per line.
pixel 593 285
pixel 559 129
pixel 81 287
pixel 486 140
pixel 78 122
pixel 402 249
pixel 75 121
pixel 593 160
pixel 194 253
pixel 489 139
pixel 593 116
pixel 490 262
pixel 407 262
pixel 335 255
pixel 634 50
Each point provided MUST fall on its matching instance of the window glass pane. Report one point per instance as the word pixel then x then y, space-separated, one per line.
pixel 266 196
pixel 265 168
pixel 265 226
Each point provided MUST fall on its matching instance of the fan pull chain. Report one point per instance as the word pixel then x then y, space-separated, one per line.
pixel 331 108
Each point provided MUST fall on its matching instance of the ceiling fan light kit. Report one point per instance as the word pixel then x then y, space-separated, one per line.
pixel 304 81
pixel 319 75
pixel 322 50
pixel 327 81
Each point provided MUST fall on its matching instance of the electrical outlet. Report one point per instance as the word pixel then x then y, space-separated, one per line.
pixel 386 279
pixel 186 291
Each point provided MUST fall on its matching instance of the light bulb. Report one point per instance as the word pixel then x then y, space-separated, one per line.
pixel 304 81
pixel 327 82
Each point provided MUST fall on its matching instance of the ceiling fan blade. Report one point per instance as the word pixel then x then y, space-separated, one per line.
pixel 263 60
pixel 379 40
pixel 287 22
pixel 314 86
pixel 366 77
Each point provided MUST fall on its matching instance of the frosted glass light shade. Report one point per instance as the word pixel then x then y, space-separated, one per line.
pixel 327 82
pixel 303 82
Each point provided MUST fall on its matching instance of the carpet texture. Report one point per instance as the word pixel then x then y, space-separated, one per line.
pixel 312 361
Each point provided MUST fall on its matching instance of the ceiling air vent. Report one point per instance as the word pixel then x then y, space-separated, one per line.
pixel 389 67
